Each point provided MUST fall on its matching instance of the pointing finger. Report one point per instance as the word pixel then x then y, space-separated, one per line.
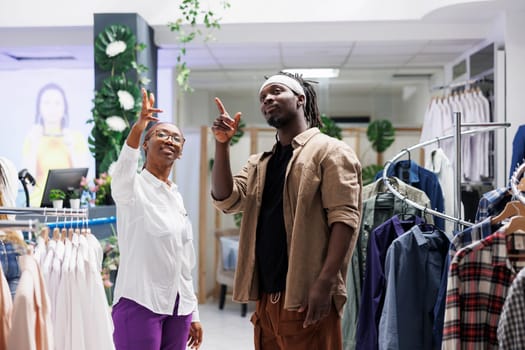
pixel 220 106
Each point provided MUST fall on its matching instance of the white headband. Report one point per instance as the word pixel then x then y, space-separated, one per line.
pixel 285 80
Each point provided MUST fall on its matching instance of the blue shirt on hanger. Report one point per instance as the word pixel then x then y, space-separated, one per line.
pixel 518 149
pixel 413 268
pixel 373 291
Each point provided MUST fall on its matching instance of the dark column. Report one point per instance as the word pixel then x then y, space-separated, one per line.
pixel 147 57
pixel 144 34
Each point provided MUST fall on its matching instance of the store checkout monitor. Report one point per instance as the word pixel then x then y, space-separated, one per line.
pixel 64 179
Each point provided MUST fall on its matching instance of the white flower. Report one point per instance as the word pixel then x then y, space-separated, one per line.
pixel 126 100
pixel 115 48
pixel 116 123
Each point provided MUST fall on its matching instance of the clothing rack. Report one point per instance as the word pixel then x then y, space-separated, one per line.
pixel 468 82
pixel 46 212
pixel 483 127
pixel 90 222
pixel 26 225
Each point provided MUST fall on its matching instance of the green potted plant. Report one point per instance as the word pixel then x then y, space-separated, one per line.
pixel 381 134
pixel 57 196
pixel 118 101
pixel 74 198
pixel 330 128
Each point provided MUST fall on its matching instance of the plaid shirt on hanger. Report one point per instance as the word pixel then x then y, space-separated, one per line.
pixel 478 282
pixel 492 202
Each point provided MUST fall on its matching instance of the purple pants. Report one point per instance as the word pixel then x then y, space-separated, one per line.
pixel 138 328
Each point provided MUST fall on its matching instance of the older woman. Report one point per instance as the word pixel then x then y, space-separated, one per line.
pixel 154 305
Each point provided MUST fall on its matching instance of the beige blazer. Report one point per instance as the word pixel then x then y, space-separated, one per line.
pixel 31 322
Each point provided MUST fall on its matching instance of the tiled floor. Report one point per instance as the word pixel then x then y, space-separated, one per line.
pixel 225 329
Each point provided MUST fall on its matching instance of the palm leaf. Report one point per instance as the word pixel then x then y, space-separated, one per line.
pixel 239 133
pixel 330 128
pixel 381 134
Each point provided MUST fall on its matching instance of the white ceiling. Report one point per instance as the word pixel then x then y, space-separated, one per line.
pixel 368 54
pixel 363 65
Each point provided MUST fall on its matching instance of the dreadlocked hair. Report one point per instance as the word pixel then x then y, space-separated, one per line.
pixel 311 110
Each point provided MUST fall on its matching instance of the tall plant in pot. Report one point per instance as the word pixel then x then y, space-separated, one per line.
pixel 381 135
pixel 118 101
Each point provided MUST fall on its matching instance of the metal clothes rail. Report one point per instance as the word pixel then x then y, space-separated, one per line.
pixel 486 127
pixel 90 222
pixel 466 83
pixel 46 212
pixel 25 225
pixel 514 182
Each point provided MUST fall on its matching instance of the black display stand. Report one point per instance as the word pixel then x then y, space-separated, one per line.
pixel 144 34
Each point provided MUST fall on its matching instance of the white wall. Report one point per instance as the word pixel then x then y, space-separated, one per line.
pixel 515 73
pixel 199 107
pixel 414 104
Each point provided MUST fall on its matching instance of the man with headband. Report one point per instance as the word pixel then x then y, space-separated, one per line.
pixel 301 205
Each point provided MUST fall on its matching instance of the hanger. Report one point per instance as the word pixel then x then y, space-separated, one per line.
pixel 404 215
pixel 516 229
pixel 56 234
pixel 70 233
pixel 404 170
pixel 516 224
pixel 408 154
pixel 77 228
pixel 63 234
pixel 513 208
pixel 438 140
pixel 44 233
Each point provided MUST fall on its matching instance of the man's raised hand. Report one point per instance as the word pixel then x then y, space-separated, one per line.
pixel 224 127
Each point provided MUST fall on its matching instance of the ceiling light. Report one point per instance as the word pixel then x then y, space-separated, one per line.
pixel 315 72
pixel 412 75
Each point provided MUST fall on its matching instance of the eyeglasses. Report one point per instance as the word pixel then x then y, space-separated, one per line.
pixel 166 137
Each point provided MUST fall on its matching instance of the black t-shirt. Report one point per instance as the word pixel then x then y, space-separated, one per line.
pixel 271 246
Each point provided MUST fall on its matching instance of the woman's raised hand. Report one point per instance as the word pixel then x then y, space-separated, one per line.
pixel 146 113
pixel 224 127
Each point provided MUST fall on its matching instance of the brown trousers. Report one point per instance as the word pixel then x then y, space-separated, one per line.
pixel 279 329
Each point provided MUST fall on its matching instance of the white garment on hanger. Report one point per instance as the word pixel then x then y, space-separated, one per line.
pixel 441 166
pixel 63 304
pixel 98 324
pixel 77 284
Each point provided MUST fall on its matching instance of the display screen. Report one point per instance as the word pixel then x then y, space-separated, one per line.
pixel 64 179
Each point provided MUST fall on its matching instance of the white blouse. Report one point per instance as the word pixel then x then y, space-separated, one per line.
pixel 155 240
